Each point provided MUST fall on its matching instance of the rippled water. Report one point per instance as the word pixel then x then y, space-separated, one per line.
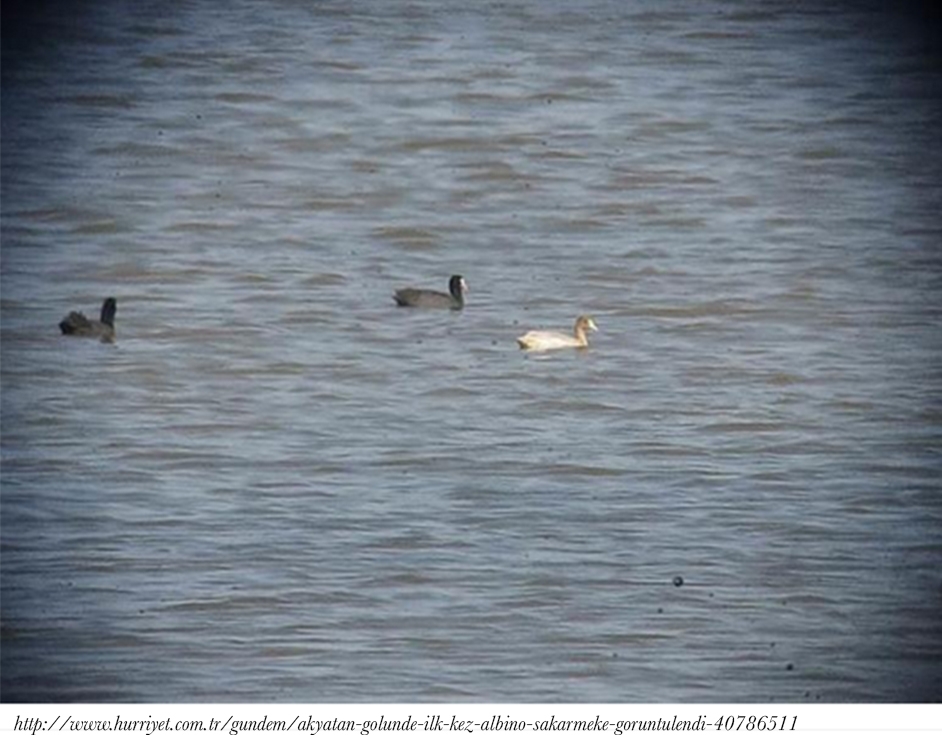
pixel 278 485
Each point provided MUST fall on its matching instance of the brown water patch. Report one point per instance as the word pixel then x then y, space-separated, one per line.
pixel 106 227
pixel 239 98
pixel 107 101
pixel 408 237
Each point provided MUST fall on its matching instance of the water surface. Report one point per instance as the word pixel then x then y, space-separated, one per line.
pixel 279 486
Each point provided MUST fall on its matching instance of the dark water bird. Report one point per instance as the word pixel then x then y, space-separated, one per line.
pixel 423 298
pixel 76 324
pixel 537 341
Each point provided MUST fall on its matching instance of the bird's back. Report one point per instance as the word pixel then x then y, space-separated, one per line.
pixel 537 340
pixel 422 298
pixel 75 323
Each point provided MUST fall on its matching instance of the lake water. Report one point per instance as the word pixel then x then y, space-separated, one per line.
pixel 277 485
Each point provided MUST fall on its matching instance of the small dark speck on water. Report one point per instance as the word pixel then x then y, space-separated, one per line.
pixel 678 581
pixel 789 667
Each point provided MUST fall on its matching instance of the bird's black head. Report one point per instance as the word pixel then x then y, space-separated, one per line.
pixel 108 310
pixel 458 287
